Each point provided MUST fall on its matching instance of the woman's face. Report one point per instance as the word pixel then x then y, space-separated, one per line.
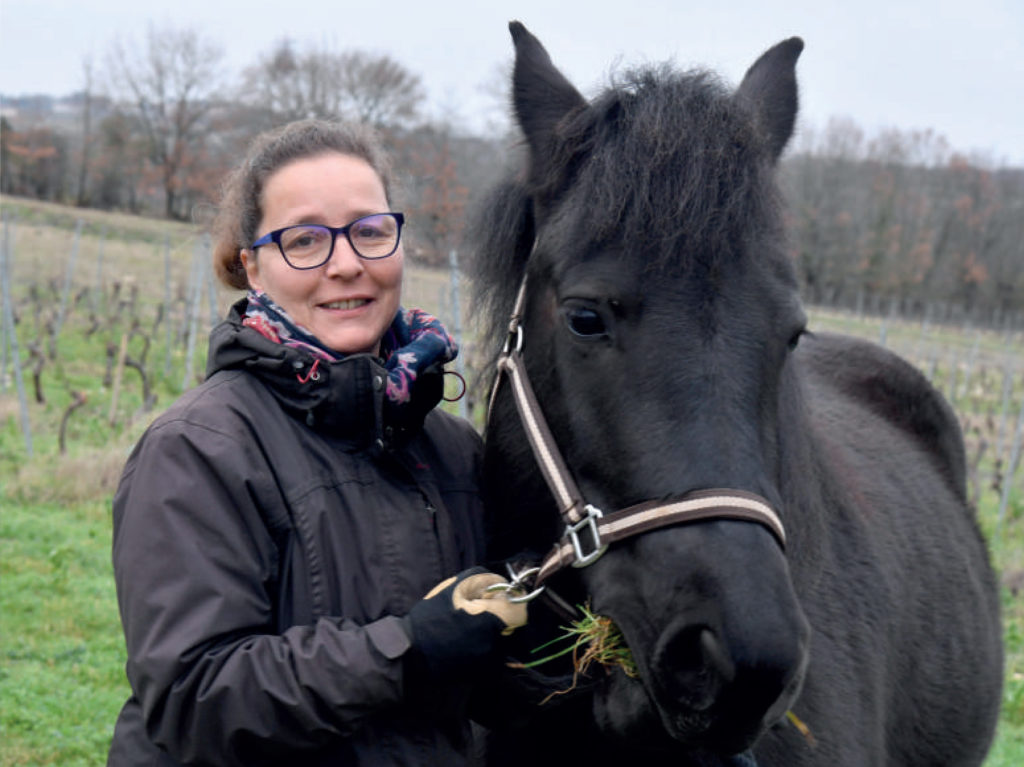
pixel 348 302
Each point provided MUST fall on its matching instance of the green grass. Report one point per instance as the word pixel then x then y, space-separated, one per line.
pixel 1008 749
pixel 62 680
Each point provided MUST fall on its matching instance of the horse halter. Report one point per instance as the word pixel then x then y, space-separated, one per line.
pixel 582 517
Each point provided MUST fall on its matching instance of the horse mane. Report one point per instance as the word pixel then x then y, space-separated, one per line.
pixel 502 235
pixel 668 160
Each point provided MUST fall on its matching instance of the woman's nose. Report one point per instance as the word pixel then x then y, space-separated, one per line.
pixel 344 262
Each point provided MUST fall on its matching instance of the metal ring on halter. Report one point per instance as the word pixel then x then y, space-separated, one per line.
pixel 518 331
pixel 518 583
pixel 508 588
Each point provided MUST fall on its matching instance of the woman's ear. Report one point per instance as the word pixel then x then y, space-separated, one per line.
pixel 252 268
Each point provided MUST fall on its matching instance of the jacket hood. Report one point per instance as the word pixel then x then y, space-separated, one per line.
pixel 344 398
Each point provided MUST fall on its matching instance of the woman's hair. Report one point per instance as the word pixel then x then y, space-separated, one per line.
pixel 241 210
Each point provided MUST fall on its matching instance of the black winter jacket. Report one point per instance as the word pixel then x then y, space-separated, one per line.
pixel 268 529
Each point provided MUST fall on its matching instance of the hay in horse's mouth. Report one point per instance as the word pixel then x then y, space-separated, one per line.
pixel 596 639
pixel 591 639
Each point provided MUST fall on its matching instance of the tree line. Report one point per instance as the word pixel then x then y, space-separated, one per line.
pixel 159 122
pixel 898 216
pixel 901 216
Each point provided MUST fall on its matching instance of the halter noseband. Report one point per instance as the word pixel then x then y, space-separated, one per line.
pixel 581 517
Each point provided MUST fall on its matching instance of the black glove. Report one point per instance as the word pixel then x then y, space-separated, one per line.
pixel 457 626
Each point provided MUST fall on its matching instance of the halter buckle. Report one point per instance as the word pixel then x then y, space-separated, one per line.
pixel 589 522
pixel 515 331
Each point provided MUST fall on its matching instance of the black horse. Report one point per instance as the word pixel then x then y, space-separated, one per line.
pixel 663 334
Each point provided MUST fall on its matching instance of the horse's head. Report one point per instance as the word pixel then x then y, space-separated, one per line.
pixel 659 315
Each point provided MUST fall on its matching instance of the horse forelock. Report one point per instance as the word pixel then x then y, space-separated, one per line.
pixel 666 167
pixel 667 161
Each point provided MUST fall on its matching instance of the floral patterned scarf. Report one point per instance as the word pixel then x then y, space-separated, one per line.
pixel 414 341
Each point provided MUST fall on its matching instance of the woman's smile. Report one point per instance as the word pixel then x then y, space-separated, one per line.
pixel 346 304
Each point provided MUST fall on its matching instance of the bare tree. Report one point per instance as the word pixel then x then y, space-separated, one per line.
pixel 35 161
pixel 172 83
pixel 294 84
pixel 439 197
pixel 119 165
pixel 377 89
pixel 496 90
pixel 281 85
pixel 899 216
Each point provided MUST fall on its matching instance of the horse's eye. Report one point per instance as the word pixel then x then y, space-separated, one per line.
pixel 585 323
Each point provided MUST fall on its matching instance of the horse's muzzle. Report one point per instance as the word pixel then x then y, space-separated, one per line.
pixel 724 689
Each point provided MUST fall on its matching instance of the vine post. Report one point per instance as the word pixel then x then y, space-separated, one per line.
pixel 1011 470
pixel 167 304
pixel 6 258
pixel 118 375
pixel 460 361
pixel 69 272
pixel 200 264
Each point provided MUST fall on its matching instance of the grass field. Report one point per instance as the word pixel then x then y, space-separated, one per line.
pixel 61 678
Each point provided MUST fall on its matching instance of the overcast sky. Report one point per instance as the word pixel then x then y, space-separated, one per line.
pixel 954 67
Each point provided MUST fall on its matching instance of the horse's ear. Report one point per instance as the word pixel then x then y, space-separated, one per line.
pixel 541 94
pixel 770 86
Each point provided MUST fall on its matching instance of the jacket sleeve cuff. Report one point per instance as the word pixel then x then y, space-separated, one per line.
pixel 389 636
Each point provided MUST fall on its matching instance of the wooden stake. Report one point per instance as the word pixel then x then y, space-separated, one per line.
pixel 118 373
pixel 6 258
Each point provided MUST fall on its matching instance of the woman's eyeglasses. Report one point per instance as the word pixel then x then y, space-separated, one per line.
pixel 307 246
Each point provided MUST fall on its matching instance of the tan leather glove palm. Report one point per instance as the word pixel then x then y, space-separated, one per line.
pixel 471 594
pixel 459 623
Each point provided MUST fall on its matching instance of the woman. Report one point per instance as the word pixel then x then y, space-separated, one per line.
pixel 276 530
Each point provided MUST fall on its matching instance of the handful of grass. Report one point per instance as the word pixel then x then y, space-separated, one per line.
pixel 591 639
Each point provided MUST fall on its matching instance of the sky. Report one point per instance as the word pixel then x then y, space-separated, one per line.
pixel 956 68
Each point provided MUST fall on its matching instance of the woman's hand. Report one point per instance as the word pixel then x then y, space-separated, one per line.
pixel 458 625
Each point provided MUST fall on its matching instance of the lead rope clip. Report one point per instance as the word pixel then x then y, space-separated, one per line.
pixel 517 585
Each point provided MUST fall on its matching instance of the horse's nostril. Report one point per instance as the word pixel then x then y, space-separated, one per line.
pixel 716 656
pixel 693 666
